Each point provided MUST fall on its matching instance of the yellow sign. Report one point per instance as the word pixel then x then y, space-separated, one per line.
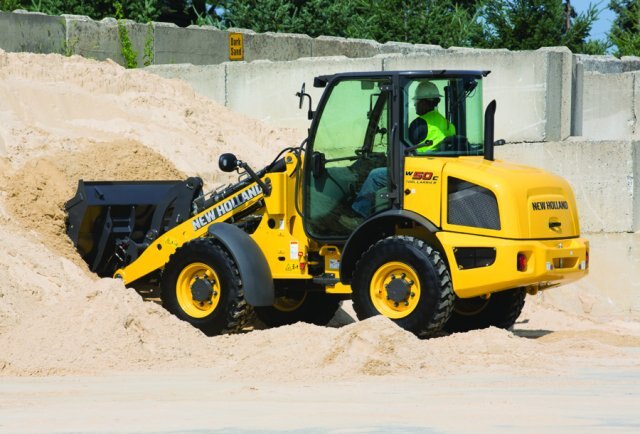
pixel 236 46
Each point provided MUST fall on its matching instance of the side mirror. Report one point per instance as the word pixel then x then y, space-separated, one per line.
pixel 301 95
pixel 228 162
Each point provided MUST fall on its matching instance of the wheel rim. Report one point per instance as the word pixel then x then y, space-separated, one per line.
pixel 471 306
pixel 395 290
pixel 289 304
pixel 191 290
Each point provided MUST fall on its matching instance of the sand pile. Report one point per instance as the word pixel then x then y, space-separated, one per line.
pixel 64 119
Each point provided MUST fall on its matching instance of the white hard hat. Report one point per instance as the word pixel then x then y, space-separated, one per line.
pixel 426 90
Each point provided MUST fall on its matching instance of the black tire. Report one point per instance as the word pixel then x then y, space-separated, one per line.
pixel 217 306
pixel 297 302
pixel 501 310
pixel 423 308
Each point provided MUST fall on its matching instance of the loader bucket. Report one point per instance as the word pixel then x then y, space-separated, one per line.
pixel 105 213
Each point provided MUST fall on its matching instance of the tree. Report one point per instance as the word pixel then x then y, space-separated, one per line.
pixel 531 24
pixel 441 22
pixel 625 31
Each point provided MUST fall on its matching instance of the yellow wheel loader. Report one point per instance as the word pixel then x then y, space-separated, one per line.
pixel 444 239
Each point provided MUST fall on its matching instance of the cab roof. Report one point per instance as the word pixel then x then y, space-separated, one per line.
pixel 323 80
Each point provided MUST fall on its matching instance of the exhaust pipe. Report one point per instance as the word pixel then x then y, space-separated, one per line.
pixel 489 122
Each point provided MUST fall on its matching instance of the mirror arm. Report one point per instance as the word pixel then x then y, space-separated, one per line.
pixel 266 189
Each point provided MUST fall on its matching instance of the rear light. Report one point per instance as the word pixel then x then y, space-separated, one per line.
pixel 522 262
pixel 587 258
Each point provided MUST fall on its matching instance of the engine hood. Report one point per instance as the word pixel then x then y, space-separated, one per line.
pixel 531 203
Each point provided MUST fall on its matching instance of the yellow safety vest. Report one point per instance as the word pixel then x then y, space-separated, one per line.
pixel 438 128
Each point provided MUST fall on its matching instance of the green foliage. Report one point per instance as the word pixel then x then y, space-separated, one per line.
pixel 10 5
pixel 148 46
pixel 513 24
pixel 531 24
pixel 69 46
pixel 417 21
pixel 129 54
pixel 625 31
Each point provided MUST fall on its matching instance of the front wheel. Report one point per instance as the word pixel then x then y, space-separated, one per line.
pixel 405 280
pixel 500 309
pixel 201 285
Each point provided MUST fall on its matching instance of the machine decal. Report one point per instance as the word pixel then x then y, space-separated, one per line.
pixel 293 250
pixel 550 205
pixel 421 177
pixel 225 207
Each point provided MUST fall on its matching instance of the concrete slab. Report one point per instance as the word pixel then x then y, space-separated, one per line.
pixel 206 80
pixel 604 175
pixel 266 90
pixel 99 39
pixel 407 48
pixel 325 46
pixel 607 106
pixel 31 32
pixel 636 104
pixel 198 45
pixel 274 46
pixel 533 96
pixel 608 64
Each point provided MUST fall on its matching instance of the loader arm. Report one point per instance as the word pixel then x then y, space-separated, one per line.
pixel 157 254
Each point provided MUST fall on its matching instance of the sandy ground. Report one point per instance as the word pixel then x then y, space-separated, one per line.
pixel 82 354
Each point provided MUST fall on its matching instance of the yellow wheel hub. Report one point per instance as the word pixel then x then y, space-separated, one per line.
pixel 288 304
pixel 198 290
pixel 395 290
pixel 471 306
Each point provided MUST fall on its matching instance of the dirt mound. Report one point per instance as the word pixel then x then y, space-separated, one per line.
pixel 64 119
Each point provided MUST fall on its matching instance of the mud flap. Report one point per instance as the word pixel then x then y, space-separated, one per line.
pixel 255 273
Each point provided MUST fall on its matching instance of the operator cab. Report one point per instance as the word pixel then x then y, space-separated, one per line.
pixel 369 122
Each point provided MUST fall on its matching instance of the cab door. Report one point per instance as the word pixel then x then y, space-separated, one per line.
pixel 349 139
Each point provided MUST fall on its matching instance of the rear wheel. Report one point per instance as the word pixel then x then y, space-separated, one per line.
pixel 201 285
pixel 405 280
pixel 297 302
pixel 500 309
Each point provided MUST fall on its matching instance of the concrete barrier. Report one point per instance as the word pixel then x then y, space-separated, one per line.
pixel 266 90
pixel 100 40
pixel 327 46
pixel 32 32
pixel 608 64
pixel 274 46
pixel 605 176
pixel 608 106
pixel 611 291
pixel 532 88
pixel 206 80
pixel 198 45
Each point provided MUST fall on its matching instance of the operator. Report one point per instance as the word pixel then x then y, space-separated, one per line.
pixel 430 128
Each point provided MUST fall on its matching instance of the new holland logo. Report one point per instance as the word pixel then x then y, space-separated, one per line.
pixel 550 205
pixel 225 207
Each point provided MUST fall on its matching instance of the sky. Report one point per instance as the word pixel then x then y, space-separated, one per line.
pixel 603 25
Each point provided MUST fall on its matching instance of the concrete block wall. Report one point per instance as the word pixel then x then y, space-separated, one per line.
pixel 254 88
pixel 532 88
pixel 100 39
pixel 31 32
pixel 197 45
pixel 608 64
pixel 207 80
pixel 604 175
pixel 610 105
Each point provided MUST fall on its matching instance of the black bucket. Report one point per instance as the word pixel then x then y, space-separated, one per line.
pixel 105 213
